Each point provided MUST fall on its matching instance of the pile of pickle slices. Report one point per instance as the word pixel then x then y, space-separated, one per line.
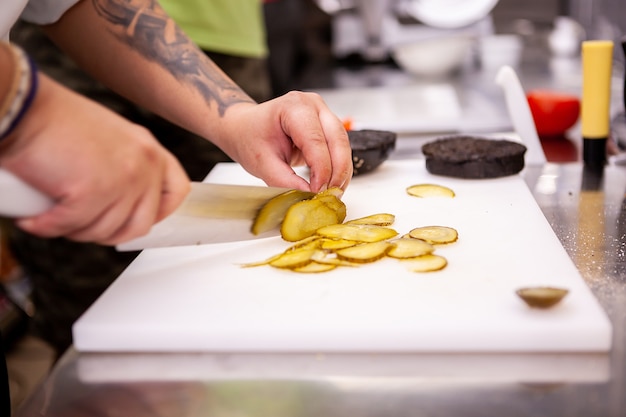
pixel 322 241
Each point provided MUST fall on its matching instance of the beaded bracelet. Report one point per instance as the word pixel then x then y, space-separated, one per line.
pixel 21 92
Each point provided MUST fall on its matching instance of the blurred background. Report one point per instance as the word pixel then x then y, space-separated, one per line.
pixel 349 33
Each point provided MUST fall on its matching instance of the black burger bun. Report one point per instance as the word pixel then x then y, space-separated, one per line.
pixel 370 148
pixel 473 157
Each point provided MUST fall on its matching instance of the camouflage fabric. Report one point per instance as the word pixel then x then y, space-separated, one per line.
pixel 68 276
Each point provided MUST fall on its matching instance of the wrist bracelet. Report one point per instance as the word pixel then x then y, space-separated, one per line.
pixel 21 92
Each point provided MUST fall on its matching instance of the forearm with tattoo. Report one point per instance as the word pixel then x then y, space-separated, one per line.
pixel 144 26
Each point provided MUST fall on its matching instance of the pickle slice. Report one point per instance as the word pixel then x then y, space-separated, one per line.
pixel 311 242
pixel 335 244
pixel 426 263
pixel 409 248
pixel 542 297
pixel 330 198
pixel 314 268
pixel 333 191
pixel 293 259
pixel 365 252
pixel 357 232
pixel 273 212
pixel 327 257
pixel 261 263
pixel 305 217
pixel 435 234
pixel 380 219
pixel 430 190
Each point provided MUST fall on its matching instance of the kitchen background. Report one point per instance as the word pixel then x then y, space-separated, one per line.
pixel 313 51
pixel 303 57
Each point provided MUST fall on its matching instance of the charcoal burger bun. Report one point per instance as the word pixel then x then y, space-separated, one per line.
pixel 370 148
pixel 473 157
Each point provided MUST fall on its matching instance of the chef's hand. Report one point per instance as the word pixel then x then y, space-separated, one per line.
pixel 111 179
pixel 297 128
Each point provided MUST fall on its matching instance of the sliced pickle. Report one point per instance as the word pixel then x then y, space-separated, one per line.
pixel 328 257
pixel 305 217
pixel 334 191
pixel 365 252
pixel 435 234
pixel 429 190
pixel 321 242
pixel 357 232
pixel 334 244
pixel 293 259
pixel 314 268
pixel 311 242
pixel 409 248
pixel 380 219
pixel 426 263
pixel 542 297
pixel 332 198
pixel 261 263
pixel 273 212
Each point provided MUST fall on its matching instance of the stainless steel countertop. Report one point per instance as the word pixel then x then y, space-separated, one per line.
pixel 587 213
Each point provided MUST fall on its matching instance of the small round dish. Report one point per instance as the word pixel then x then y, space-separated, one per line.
pixel 450 14
pixel 542 297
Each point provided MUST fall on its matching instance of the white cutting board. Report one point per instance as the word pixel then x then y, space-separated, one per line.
pixel 419 108
pixel 198 298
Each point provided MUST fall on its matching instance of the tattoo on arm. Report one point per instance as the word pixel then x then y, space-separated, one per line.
pixel 144 26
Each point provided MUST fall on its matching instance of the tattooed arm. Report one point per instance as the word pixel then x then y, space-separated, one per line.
pixel 136 49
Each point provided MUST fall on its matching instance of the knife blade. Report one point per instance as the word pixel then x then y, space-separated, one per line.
pixel 211 213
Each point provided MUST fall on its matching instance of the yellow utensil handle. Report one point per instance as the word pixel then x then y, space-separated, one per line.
pixel 597 61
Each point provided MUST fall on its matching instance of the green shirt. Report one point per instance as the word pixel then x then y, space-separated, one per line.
pixel 233 27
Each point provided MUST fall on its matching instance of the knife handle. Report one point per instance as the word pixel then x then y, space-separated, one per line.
pixel 19 199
